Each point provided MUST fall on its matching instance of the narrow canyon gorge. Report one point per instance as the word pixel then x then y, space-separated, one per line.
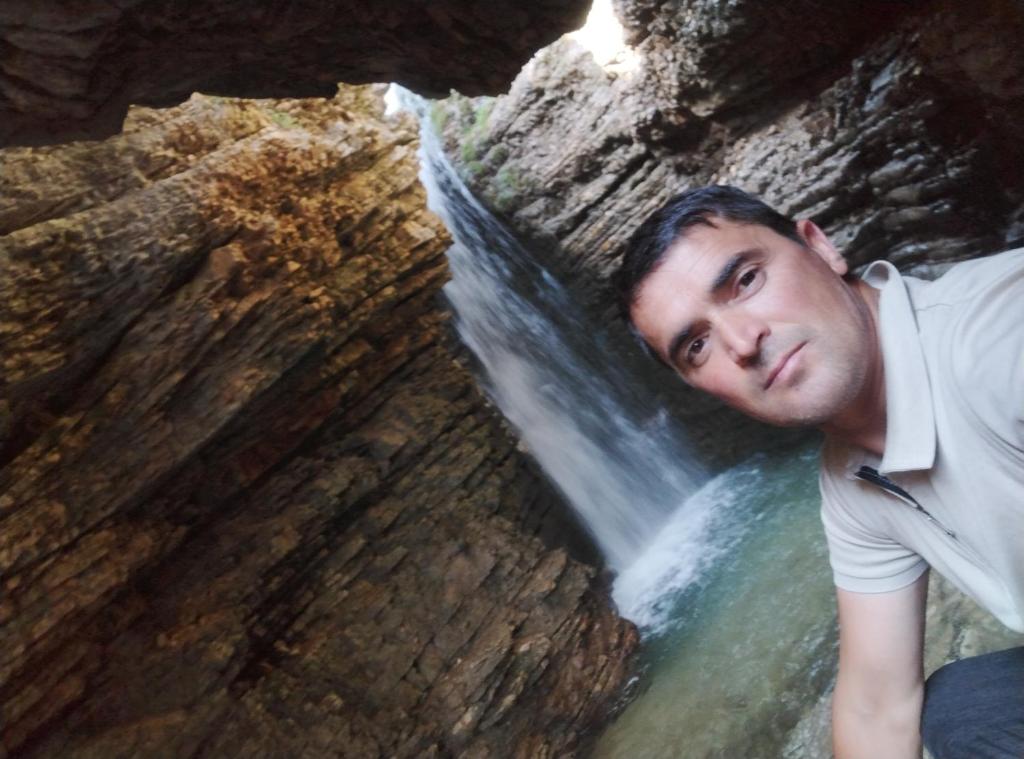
pixel 253 499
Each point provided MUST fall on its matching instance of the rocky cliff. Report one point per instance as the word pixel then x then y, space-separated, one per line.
pixel 249 503
pixel 897 126
pixel 69 71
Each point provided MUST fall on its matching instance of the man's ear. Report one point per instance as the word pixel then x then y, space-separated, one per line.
pixel 818 241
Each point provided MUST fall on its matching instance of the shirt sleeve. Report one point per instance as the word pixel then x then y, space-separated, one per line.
pixel 862 559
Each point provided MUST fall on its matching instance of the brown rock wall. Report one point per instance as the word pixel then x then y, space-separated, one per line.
pixel 902 158
pixel 249 503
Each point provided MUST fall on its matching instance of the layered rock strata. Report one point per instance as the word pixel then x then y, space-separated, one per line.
pixel 70 70
pixel 249 503
pixel 896 126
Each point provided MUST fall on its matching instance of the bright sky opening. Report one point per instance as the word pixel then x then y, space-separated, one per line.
pixel 392 105
pixel 603 36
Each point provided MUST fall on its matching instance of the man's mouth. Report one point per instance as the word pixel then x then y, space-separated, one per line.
pixel 782 364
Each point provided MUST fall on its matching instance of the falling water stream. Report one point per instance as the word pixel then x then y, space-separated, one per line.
pixel 623 466
pixel 725 576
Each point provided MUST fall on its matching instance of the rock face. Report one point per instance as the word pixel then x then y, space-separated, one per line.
pixel 69 71
pixel 898 127
pixel 249 503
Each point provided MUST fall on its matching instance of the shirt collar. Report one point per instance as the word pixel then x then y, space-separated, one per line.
pixel 910 421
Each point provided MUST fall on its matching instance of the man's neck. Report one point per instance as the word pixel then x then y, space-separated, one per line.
pixel 863 422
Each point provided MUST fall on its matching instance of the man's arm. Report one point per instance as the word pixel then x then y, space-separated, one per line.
pixel 876 709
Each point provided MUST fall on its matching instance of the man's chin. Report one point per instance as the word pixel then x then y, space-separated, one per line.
pixel 790 424
pixel 810 419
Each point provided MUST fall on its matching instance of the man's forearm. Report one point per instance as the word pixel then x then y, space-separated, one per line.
pixel 875 729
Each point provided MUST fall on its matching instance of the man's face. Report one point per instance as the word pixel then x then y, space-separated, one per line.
pixel 765 324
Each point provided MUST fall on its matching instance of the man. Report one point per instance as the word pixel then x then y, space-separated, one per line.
pixel 919 389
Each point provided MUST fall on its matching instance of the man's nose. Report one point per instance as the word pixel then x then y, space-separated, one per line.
pixel 741 335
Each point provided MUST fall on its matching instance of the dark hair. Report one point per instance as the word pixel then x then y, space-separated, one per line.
pixel 652 239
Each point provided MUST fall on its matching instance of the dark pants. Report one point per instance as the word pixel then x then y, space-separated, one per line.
pixel 974 708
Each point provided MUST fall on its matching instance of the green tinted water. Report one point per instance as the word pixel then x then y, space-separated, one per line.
pixel 748 647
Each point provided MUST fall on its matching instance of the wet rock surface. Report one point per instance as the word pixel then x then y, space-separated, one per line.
pixel 250 503
pixel 70 70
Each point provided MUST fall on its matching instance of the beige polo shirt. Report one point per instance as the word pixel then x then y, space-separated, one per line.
pixel 954 382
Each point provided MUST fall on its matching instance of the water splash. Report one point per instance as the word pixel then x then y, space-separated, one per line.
pixel 653 590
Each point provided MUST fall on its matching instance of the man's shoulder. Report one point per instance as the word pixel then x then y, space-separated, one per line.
pixel 969 281
pixel 972 324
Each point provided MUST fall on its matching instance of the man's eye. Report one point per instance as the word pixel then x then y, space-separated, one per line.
pixel 747 279
pixel 695 348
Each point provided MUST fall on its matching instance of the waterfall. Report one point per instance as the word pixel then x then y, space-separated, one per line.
pixel 623 466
